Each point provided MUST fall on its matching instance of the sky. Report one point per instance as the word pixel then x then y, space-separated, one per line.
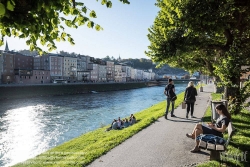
pixel 125 31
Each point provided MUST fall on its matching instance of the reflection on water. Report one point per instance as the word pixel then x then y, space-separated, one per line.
pixel 29 127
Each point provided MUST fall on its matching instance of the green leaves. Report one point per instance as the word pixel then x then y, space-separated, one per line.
pixel 2 9
pixel 11 5
pixel 92 14
pixel 91 24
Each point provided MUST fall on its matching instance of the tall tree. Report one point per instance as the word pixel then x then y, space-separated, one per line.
pixel 208 35
pixel 44 20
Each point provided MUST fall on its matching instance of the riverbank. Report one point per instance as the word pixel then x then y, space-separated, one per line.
pixel 83 150
pixel 27 91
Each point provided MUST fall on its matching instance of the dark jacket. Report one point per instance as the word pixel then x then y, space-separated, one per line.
pixel 190 94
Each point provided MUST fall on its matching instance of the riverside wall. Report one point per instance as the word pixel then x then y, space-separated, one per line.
pixel 26 91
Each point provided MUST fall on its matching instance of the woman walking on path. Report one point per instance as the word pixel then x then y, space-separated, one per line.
pixel 189 98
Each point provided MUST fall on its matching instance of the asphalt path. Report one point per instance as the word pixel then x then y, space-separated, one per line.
pixel 162 144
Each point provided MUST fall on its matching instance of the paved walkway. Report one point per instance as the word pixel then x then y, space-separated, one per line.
pixel 162 144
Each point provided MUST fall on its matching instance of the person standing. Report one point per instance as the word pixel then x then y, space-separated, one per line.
pixel 169 90
pixel 189 98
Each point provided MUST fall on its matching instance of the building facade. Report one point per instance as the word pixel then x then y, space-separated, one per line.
pixel 94 74
pixel 33 77
pixel 118 73
pixel 56 67
pixel 70 68
pixel 7 67
pixel 110 71
pixel 81 67
pixel 102 73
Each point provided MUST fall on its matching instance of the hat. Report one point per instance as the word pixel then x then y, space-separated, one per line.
pixel 170 80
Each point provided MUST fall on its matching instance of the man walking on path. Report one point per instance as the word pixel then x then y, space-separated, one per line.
pixel 169 90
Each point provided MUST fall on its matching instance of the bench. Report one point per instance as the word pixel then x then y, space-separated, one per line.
pixel 216 149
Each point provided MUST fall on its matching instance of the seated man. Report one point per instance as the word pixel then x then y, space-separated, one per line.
pixel 115 125
pixel 126 123
pixel 132 119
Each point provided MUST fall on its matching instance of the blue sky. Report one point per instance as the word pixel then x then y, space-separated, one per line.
pixel 125 31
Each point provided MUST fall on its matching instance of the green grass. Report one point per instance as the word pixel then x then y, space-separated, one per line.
pixel 239 144
pixel 83 150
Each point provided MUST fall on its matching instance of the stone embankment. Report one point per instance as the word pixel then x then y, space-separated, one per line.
pixel 25 91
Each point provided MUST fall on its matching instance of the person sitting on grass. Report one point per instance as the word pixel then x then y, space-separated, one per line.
pixel 115 124
pixel 216 129
pixel 119 123
pixel 126 123
pixel 132 119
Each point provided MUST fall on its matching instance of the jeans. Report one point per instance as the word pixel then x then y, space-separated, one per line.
pixel 210 138
pixel 168 104
pixel 190 105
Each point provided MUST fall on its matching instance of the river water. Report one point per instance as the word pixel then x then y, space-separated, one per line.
pixel 29 127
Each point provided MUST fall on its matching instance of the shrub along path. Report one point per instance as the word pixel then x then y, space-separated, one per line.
pixel 163 143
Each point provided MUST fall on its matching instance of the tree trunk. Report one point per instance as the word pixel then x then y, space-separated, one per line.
pixel 232 94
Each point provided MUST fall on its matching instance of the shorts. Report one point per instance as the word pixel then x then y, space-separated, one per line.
pixel 207 130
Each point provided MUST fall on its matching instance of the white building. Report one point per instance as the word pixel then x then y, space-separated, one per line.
pixel 102 73
pixel 70 68
pixel 133 74
pixel 146 75
pixel 139 75
pixel 94 74
pixel 110 71
pixel 118 73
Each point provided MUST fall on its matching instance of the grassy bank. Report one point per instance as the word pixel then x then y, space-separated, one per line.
pixel 86 148
pixel 238 153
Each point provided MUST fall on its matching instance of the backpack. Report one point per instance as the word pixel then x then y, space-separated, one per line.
pixel 170 92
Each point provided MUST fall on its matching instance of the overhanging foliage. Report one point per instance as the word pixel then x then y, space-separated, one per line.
pixel 44 20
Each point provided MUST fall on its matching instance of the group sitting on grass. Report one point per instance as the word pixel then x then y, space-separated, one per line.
pixel 120 124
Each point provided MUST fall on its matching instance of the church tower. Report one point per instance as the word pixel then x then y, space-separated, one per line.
pixel 6 47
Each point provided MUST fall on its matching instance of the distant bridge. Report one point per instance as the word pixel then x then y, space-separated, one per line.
pixel 165 81
pixel 184 80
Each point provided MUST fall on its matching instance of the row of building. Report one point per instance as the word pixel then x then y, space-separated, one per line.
pixel 19 68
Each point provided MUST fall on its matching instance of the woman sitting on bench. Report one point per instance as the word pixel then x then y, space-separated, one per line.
pixel 216 129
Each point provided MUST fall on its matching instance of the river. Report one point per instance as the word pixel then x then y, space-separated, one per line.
pixel 31 126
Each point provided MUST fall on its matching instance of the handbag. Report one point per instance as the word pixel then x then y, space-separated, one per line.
pixel 183 105
pixel 174 98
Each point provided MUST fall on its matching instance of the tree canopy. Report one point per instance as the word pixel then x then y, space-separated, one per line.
pixel 209 36
pixel 44 21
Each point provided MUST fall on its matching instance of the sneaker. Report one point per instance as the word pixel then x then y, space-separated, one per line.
pixel 189 135
pixel 173 115
pixel 193 116
pixel 195 149
pixel 166 116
